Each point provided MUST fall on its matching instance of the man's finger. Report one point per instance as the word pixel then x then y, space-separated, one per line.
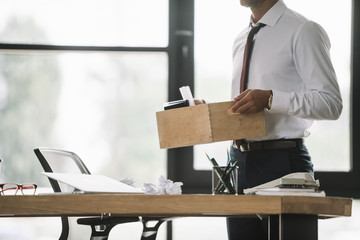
pixel 242 95
pixel 242 108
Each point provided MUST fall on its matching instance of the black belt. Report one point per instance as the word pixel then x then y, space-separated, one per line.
pixel 277 144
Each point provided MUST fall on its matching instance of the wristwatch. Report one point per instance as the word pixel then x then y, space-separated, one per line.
pixel 270 101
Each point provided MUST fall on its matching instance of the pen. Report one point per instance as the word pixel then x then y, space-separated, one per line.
pixel 212 160
pixel 225 183
pixel 228 177
pixel 228 156
pixel 225 174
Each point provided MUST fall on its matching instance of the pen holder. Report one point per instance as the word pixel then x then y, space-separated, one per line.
pixel 225 180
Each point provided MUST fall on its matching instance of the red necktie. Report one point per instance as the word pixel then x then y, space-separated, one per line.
pixel 247 54
pixel 246 63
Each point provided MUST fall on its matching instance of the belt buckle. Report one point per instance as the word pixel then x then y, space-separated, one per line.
pixel 245 147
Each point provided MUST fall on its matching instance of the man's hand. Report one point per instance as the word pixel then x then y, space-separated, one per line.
pixel 199 101
pixel 251 101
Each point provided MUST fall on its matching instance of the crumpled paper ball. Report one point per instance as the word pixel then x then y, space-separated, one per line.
pixel 166 186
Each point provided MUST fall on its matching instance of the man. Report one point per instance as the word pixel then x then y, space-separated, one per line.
pixel 289 76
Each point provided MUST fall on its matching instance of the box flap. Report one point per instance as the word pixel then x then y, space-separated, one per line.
pixel 225 126
pixel 184 126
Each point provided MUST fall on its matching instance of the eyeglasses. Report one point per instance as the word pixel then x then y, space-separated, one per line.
pixel 13 188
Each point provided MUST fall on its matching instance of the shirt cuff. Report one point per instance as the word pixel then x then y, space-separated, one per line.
pixel 280 102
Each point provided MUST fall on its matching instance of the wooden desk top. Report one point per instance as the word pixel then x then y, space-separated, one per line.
pixel 171 205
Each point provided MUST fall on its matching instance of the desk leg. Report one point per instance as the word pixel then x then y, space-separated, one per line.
pixel 273 227
pixel 294 227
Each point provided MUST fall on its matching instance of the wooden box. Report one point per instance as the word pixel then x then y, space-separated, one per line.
pixel 206 123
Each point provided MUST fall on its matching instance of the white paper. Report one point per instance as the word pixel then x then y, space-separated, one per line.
pixel 187 95
pixel 90 183
pixel 166 186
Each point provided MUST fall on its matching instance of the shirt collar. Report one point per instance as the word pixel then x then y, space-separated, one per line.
pixel 272 16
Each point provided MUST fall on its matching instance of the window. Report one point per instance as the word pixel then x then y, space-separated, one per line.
pixel 85 22
pixel 95 104
pixel 84 76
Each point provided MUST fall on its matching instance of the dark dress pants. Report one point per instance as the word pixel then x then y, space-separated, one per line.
pixel 258 167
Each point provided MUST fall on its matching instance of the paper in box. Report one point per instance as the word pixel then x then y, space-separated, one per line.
pixel 206 123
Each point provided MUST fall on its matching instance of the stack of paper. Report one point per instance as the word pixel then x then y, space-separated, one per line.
pixel 290 192
pixel 295 184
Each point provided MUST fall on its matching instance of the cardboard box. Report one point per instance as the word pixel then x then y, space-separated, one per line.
pixel 206 123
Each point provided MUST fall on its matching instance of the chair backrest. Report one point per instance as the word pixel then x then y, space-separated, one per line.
pixel 60 161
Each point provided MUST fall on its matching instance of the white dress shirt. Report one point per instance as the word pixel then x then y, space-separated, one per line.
pixel 290 57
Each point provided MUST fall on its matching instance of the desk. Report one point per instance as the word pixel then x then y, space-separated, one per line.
pixel 292 211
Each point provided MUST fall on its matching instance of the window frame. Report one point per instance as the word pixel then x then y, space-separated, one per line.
pixel 177 39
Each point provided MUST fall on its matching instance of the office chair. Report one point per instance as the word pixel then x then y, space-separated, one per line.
pixel 61 161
